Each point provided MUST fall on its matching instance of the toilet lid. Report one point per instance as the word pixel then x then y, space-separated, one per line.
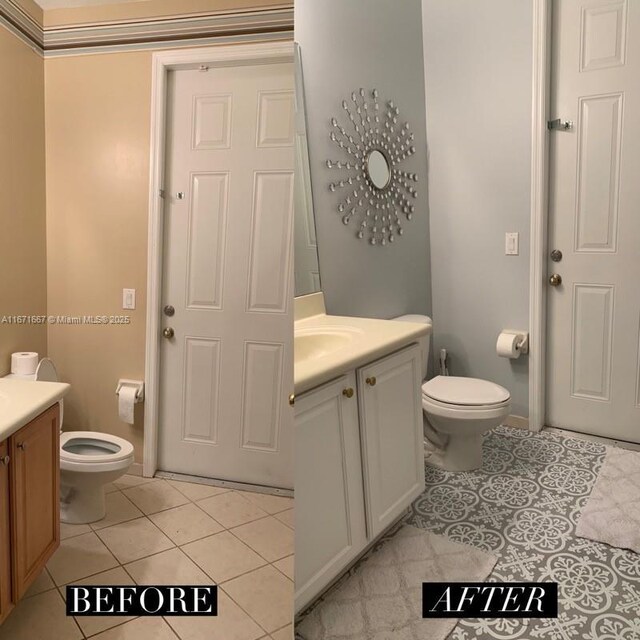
pixel 92 447
pixel 464 391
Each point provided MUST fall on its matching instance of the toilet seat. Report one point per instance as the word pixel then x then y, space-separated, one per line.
pixel 465 393
pixel 90 450
pixel 469 409
pixel 465 414
pixel 465 404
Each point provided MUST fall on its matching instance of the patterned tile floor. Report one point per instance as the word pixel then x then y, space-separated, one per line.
pixel 524 506
pixel 171 532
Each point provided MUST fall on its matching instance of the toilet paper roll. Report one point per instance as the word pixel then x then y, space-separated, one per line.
pixel 507 345
pixel 24 363
pixel 126 403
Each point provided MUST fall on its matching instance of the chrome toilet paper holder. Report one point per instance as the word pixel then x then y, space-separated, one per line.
pixel 522 344
pixel 137 384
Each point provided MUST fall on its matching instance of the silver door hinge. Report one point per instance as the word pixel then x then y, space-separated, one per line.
pixel 560 125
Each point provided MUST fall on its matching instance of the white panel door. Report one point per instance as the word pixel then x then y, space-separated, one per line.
pixel 593 349
pixel 390 401
pixel 330 513
pixel 228 370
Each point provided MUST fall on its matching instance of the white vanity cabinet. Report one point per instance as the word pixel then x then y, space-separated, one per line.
pixel 359 465
pixel 390 404
pixel 330 514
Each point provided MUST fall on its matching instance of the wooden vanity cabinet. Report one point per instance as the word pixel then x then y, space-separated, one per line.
pixel 29 505
pixel 35 495
pixel 6 598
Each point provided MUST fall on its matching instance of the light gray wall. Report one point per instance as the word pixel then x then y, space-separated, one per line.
pixel 345 45
pixel 478 85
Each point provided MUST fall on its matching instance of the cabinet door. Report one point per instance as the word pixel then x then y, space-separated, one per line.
pixel 390 403
pixel 35 456
pixel 6 601
pixel 329 511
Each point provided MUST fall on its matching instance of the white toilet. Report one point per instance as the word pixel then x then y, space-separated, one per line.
pixel 88 461
pixel 457 412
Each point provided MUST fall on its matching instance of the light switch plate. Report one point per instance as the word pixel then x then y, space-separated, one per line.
pixel 511 243
pixel 128 298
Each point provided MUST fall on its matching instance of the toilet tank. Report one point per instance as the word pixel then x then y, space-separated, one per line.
pixel 46 372
pixel 424 340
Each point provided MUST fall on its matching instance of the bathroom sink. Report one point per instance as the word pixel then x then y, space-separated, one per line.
pixel 310 344
pixel 328 346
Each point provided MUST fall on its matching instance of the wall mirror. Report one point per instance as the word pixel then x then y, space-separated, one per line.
pixel 376 191
pixel 378 169
pixel 306 267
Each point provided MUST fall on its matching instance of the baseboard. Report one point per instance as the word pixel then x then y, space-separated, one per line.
pixel 135 469
pixel 517 422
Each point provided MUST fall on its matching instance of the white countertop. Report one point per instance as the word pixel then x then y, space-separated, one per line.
pixel 23 400
pixel 370 339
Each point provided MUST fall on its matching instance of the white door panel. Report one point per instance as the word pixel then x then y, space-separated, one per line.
pixel 270 254
pixel 593 348
pixel 227 373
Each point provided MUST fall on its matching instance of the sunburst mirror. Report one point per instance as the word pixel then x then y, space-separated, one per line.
pixel 376 191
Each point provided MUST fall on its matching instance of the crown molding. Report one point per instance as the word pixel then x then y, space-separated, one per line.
pixel 21 24
pixel 221 26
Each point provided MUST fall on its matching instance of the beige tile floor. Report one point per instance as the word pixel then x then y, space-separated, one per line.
pixel 169 532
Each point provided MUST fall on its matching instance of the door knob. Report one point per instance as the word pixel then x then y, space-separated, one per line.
pixel 292 399
pixel 555 279
pixel 22 446
pixel 5 460
pixel 348 392
pixel 371 381
pixel 168 333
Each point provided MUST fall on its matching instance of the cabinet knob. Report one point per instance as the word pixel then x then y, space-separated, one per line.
pixel 5 460
pixel 22 446
pixel 292 399
pixel 371 381
pixel 348 392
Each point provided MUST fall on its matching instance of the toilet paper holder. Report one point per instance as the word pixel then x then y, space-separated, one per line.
pixel 522 340
pixel 137 384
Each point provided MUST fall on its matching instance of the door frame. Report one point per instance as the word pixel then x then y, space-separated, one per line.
pixel 541 78
pixel 162 63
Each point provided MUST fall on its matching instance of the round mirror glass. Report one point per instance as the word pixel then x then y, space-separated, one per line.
pixel 378 169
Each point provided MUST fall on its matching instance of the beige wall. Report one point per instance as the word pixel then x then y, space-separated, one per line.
pixel 148 9
pixel 22 205
pixel 98 120
pixel 98 110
